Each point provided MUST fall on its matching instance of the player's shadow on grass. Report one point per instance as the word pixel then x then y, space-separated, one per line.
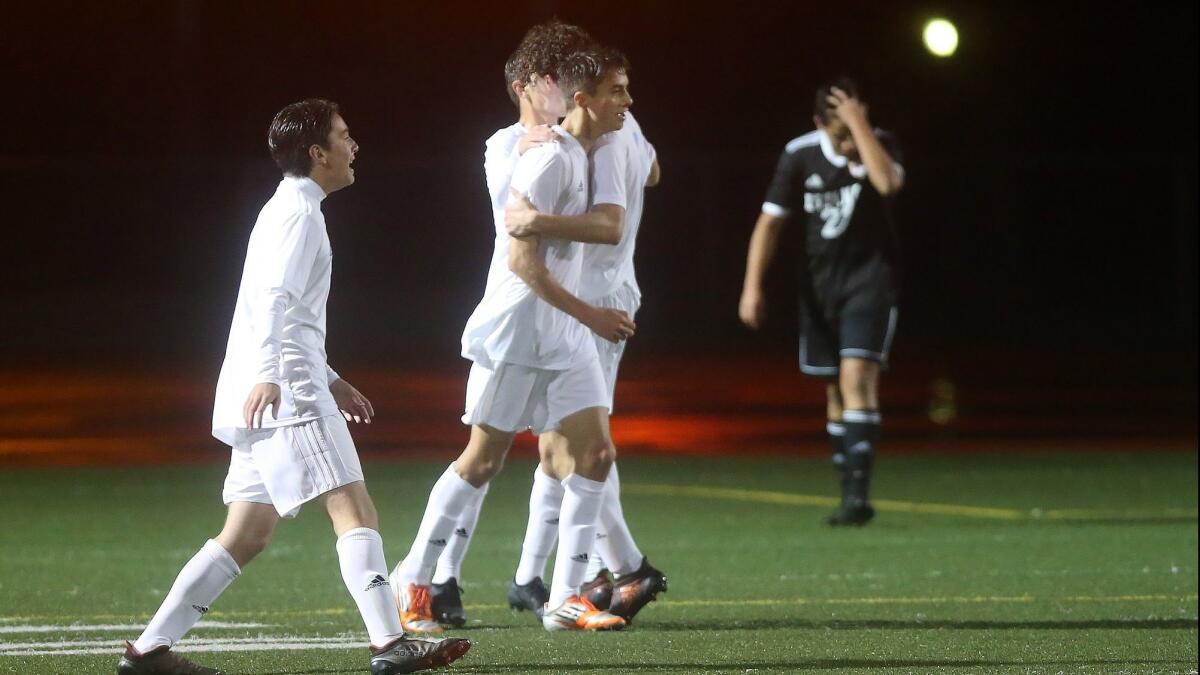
pixel 936 624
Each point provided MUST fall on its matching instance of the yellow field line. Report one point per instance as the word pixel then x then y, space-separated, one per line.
pixel 897 506
pixel 767 602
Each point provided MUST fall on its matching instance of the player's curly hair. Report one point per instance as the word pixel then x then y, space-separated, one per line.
pixel 297 128
pixel 821 108
pixel 542 50
pixel 583 71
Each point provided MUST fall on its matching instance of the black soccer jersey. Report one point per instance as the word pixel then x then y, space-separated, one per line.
pixel 850 238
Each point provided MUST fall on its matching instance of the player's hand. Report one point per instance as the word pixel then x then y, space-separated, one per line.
pixel 613 325
pixel 542 133
pixel 520 215
pixel 263 394
pixel 752 309
pixel 848 108
pixel 354 406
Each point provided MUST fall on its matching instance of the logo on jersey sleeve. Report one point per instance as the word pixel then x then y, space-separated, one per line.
pixel 835 208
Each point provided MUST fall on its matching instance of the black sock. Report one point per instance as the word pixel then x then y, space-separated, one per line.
pixel 862 434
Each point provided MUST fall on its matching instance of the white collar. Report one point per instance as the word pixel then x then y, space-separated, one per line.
pixel 307 186
pixel 856 169
pixel 827 150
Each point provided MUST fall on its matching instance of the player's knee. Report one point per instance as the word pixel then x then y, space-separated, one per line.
pixel 245 546
pixel 480 469
pixel 595 459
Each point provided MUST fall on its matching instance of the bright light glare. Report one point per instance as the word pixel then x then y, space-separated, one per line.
pixel 941 37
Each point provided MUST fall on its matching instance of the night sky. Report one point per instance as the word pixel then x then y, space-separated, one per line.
pixel 1050 204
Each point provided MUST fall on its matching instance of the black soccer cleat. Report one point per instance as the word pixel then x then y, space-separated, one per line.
pixel 159 661
pixel 851 514
pixel 446 600
pixel 533 596
pixel 631 592
pixel 599 591
pixel 409 654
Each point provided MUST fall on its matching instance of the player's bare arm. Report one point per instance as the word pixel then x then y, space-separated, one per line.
pixel 353 405
pixel 881 169
pixel 752 309
pixel 603 224
pixel 613 325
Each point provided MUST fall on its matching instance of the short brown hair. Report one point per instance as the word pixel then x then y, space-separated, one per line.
pixel 297 128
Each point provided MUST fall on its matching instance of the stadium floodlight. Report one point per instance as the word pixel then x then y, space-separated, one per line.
pixel 941 37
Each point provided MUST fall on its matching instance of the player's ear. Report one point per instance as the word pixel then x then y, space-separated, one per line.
pixel 580 98
pixel 817 121
pixel 316 153
pixel 518 88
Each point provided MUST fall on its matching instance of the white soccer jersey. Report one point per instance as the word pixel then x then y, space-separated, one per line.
pixel 499 160
pixel 621 163
pixel 278 330
pixel 512 324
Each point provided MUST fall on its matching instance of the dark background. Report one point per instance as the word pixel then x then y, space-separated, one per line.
pixel 1050 209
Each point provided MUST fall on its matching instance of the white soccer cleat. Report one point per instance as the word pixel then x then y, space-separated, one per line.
pixel 579 614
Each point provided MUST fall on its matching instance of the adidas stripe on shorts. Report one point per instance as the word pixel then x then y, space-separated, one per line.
pixel 288 466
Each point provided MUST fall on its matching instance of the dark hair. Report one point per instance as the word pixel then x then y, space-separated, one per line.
pixel 583 71
pixel 297 128
pixel 821 107
pixel 542 50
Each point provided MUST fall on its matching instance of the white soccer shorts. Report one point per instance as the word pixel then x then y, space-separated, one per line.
pixel 288 466
pixel 514 398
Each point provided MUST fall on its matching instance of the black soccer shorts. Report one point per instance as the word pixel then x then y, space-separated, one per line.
pixel 861 329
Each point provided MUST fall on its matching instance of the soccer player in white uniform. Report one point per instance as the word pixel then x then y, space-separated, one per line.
pixel 623 164
pixel 275 360
pixel 535 366
pixel 529 75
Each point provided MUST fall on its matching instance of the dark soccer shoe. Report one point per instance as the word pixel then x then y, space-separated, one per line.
pixel 533 596
pixel 159 661
pixel 848 514
pixel 446 600
pixel 409 654
pixel 632 592
pixel 599 591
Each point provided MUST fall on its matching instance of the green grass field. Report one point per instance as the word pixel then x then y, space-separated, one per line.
pixel 988 563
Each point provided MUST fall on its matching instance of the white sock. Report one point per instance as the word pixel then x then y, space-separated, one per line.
pixel 576 534
pixel 449 564
pixel 360 555
pixel 596 559
pixel 545 500
pixel 617 547
pixel 198 585
pixel 448 500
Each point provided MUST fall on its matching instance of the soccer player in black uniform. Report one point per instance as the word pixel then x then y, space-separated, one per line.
pixel 842 177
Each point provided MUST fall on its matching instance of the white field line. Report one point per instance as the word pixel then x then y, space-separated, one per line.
pixel 266 643
pixel 110 627
pixel 766 602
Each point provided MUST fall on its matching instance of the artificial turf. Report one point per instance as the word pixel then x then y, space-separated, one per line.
pixel 982 563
